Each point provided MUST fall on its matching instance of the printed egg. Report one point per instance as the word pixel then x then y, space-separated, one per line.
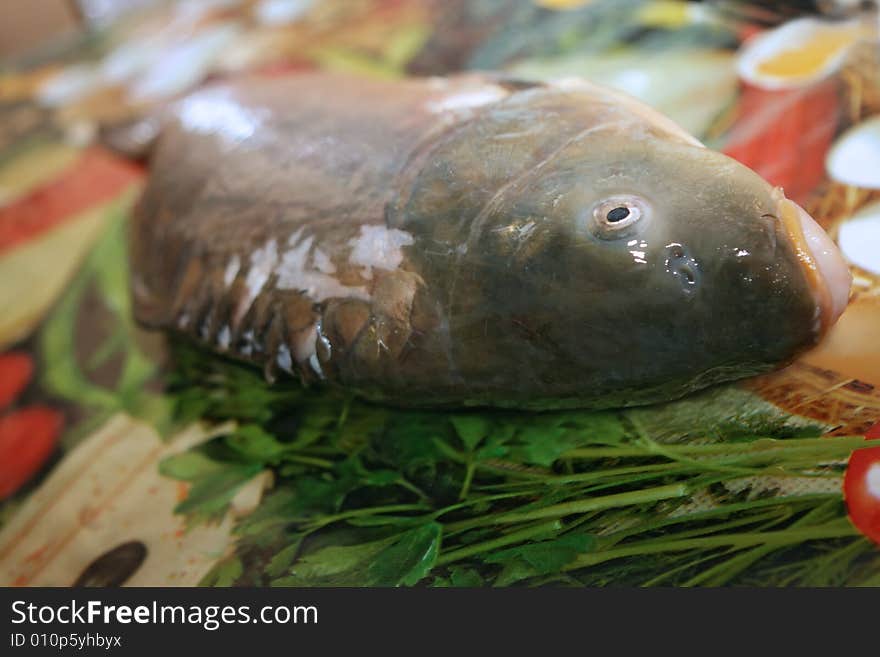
pixel 184 64
pixel 854 159
pixel 798 53
pixel 859 238
pixel 69 85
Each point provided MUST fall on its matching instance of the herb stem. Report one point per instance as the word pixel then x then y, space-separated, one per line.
pixel 726 510
pixel 835 444
pixel 418 492
pixel 375 510
pixel 508 539
pixel 309 460
pixel 630 498
pixel 468 478
pixel 743 540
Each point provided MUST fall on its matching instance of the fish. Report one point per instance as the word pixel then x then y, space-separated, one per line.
pixel 471 241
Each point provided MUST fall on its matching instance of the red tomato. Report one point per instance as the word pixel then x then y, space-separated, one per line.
pixel 16 370
pixel 861 490
pixel 27 439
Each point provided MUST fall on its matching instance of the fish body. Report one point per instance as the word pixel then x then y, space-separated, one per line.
pixel 470 241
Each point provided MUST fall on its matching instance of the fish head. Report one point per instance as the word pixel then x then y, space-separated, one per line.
pixel 645 267
pixel 579 249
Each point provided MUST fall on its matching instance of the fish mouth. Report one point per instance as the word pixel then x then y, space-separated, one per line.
pixel 826 271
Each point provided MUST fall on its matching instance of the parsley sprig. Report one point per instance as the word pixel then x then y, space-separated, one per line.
pixel 721 488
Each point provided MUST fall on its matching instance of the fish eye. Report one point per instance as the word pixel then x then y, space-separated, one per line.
pixel 612 215
pixel 619 213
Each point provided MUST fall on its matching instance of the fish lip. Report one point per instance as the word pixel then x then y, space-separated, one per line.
pixel 830 303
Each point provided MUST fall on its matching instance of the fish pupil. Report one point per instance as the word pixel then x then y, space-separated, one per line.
pixel 617 214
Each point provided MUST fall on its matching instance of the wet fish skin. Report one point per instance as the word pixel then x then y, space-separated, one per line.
pixel 434 243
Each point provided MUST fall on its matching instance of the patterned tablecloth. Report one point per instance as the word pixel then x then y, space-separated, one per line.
pixel 86 417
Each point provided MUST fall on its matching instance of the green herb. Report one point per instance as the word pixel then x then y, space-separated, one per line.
pixel 371 496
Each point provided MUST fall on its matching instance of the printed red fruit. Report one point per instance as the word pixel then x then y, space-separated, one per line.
pixel 861 490
pixel 784 135
pixel 95 178
pixel 27 439
pixel 16 370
